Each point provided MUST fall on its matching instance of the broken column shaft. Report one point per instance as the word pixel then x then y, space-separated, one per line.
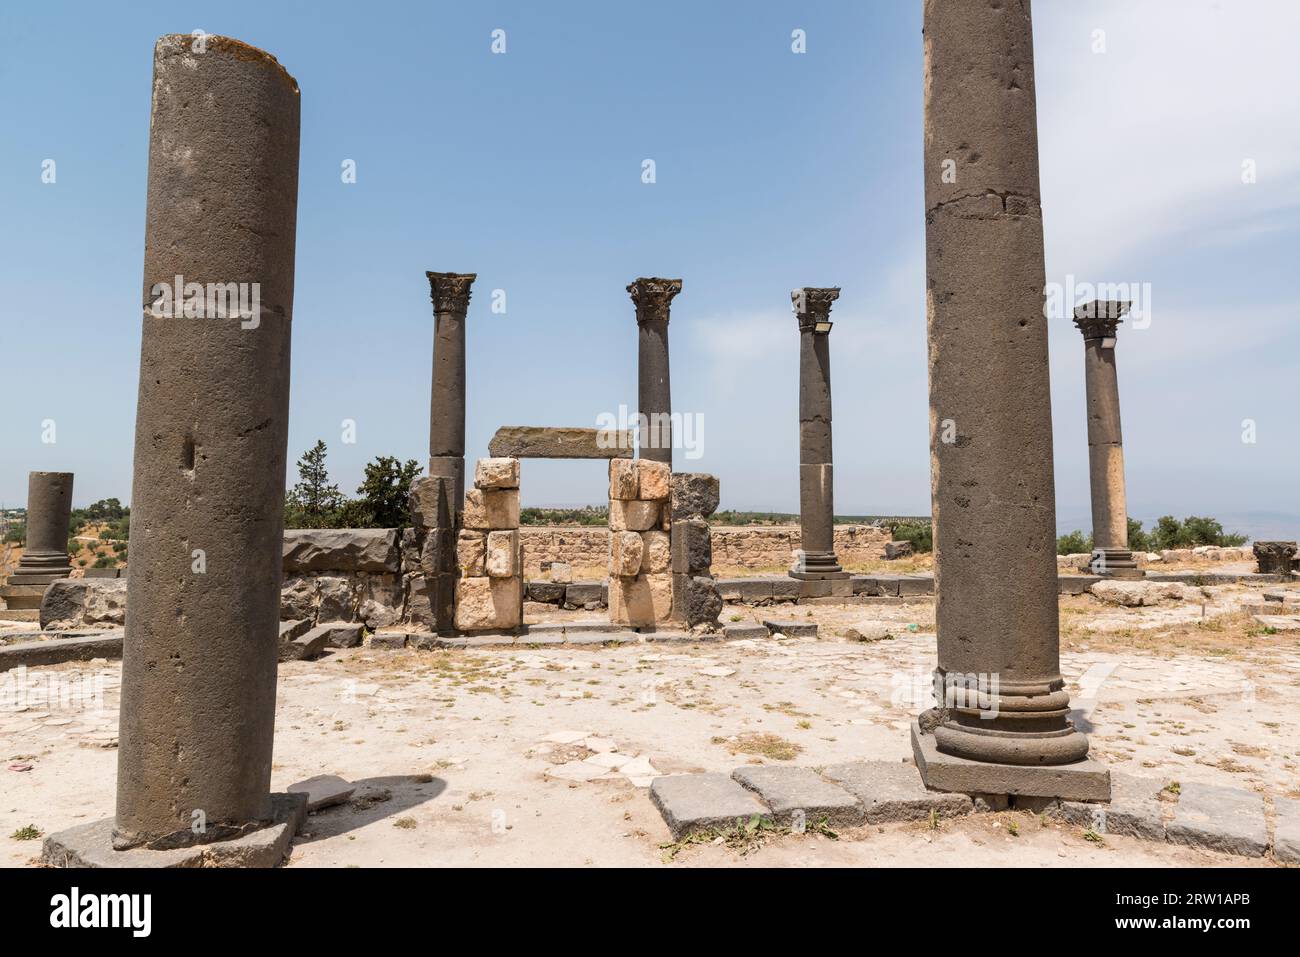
pixel 450 293
pixel 45 553
pixel 207 506
pixel 816 557
pixel 653 298
pixel 1099 322
pixel 993 500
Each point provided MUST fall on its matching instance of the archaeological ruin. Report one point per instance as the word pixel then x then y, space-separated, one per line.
pixel 287 694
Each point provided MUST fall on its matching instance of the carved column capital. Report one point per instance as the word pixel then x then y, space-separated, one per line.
pixel 653 297
pixel 450 291
pixel 812 306
pixel 1100 318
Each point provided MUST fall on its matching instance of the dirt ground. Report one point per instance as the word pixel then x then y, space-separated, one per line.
pixel 542 756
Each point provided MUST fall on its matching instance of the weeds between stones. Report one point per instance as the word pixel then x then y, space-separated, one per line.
pixel 745 836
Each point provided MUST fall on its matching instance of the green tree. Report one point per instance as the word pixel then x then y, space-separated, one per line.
pixel 314 502
pixel 1138 539
pixel 1074 543
pixel 384 500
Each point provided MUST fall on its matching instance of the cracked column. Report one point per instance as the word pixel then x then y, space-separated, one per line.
pixel 450 293
pixel 207 505
pixel 1099 322
pixel 816 557
pixel 992 491
pixel 49 507
pixel 653 298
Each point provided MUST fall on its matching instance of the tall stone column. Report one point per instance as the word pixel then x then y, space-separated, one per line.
pixel 816 557
pixel 1003 708
pixel 653 298
pixel 49 506
pixel 450 293
pixel 207 503
pixel 1099 322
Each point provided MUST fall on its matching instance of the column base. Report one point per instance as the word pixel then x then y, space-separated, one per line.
pixel 1114 563
pixel 42 577
pixel 91 845
pixel 816 566
pixel 1084 780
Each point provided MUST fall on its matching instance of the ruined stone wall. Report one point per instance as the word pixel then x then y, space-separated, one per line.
pixel 734 546
pixel 740 546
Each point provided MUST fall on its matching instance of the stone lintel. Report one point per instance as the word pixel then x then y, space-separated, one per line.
pixel 1079 781
pixel 542 442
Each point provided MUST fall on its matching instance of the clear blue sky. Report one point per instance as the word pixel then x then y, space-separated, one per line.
pixel 774 170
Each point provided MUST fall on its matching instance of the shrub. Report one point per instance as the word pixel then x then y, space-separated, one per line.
pixel 1073 543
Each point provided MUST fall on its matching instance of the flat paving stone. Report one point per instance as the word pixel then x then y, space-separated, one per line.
pixel 893 791
pixel 324 790
pixel 600 637
pixel 790 792
pixel 791 629
pixel 1278 622
pixel 1135 809
pixel 1286 832
pixel 307 645
pixel 693 802
pixel 750 631
pixel 1219 819
pixel 388 640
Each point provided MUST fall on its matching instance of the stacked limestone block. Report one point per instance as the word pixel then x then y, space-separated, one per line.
pixel 640 550
pixel 490 592
pixel 696 598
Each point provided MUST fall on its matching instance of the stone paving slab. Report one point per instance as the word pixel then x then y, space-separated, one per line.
pixel 324 790
pixel 894 791
pixel 789 791
pixel 791 629
pixel 388 640
pixel 742 631
pixel 91 845
pixel 1278 622
pixel 289 630
pixel 1080 781
pixel 1220 819
pixel 693 802
pixel 1286 830
pixel 306 646
pixel 1135 809
pixel 344 634
pixel 53 651
pixel 601 637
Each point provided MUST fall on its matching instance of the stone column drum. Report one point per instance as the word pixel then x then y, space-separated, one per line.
pixel 992 490
pixel 1099 321
pixel 816 557
pixel 49 507
pixel 450 293
pixel 207 505
pixel 653 298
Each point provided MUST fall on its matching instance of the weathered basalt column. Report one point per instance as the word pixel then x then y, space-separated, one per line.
pixel 450 293
pixel 207 505
pixel 1003 707
pixel 653 298
pixel 49 506
pixel 1099 322
pixel 816 557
